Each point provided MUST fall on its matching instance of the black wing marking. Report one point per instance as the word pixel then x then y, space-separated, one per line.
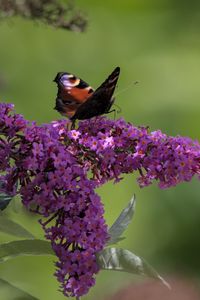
pixel 101 100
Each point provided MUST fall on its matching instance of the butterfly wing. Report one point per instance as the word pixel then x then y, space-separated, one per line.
pixel 100 100
pixel 72 92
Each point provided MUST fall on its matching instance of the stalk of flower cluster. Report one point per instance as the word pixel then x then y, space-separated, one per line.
pixel 56 172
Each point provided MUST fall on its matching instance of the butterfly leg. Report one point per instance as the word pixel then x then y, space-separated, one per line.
pixel 113 110
pixel 68 126
pixel 73 123
pixel 119 110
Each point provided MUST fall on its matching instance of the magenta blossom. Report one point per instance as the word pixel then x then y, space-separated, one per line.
pixel 56 171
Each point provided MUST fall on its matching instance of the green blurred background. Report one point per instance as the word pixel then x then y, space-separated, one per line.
pixel 156 43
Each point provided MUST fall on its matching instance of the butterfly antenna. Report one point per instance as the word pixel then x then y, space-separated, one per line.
pixel 127 87
pixel 121 91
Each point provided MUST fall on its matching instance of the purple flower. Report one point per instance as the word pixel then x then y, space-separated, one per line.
pixel 56 172
pixel 168 160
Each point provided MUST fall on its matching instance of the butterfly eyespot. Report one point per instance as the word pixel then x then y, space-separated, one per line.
pixel 74 81
pixel 73 78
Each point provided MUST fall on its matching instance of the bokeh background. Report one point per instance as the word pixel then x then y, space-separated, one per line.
pixel 156 43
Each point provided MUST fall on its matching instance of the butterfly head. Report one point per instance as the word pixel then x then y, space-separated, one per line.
pixel 67 80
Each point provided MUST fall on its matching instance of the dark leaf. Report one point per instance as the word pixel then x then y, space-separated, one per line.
pixel 4 200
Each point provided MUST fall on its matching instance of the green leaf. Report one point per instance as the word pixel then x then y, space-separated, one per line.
pixel 9 290
pixel 121 222
pixel 10 227
pixel 123 260
pixel 24 247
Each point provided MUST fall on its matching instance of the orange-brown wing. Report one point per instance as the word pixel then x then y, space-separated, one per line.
pixel 72 92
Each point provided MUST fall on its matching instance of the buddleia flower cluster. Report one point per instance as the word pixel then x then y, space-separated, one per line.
pixel 56 13
pixel 56 170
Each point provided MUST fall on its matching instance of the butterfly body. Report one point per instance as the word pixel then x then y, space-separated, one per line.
pixel 77 100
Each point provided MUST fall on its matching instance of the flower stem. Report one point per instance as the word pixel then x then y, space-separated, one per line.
pixel 78 298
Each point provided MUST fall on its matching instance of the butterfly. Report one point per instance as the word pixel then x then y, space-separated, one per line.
pixel 77 100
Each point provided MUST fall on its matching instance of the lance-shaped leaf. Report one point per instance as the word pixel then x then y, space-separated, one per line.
pixel 10 227
pixel 24 247
pixel 14 292
pixel 121 223
pixel 123 260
